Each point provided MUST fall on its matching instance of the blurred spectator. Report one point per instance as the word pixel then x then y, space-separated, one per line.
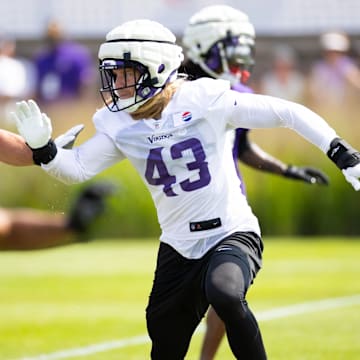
pixel 334 77
pixel 16 77
pixel 64 67
pixel 284 80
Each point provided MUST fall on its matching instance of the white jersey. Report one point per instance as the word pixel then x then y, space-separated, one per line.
pixel 186 161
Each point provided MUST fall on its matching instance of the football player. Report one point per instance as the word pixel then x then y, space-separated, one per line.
pixel 220 43
pixel 175 132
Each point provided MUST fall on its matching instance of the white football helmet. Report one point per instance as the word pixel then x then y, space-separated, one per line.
pixel 146 47
pixel 221 40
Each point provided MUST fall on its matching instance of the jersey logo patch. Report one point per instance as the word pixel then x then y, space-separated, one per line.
pixel 186 116
pixel 181 118
pixel 205 225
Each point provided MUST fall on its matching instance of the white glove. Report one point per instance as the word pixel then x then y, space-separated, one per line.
pixel 67 140
pixel 352 175
pixel 34 126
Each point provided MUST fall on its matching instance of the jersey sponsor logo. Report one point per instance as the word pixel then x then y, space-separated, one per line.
pixel 186 116
pixel 156 138
pixel 181 118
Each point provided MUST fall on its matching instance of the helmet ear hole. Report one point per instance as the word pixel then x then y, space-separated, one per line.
pixel 144 92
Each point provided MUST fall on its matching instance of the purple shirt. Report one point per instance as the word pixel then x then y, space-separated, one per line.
pixel 329 82
pixel 62 71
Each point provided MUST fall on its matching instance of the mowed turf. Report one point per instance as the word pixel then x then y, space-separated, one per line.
pixel 88 301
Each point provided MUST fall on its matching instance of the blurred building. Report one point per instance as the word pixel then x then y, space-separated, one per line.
pixel 91 18
pixel 295 22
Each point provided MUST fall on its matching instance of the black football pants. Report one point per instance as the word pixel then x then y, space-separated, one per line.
pixel 184 288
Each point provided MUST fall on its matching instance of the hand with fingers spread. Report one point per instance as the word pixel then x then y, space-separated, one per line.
pixel 34 126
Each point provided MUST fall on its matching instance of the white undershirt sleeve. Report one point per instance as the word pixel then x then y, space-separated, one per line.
pixel 261 111
pixel 85 161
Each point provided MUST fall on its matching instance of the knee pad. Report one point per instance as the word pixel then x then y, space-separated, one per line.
pixel 227 282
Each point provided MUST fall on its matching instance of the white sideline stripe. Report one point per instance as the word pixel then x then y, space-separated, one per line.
pixel 267 315
pixel 92 349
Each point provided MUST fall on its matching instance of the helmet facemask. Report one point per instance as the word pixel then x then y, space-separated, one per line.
pixel 136 87
pixel 231 58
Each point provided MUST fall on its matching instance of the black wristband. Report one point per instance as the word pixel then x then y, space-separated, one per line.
pixel 44 154
pixel 342 154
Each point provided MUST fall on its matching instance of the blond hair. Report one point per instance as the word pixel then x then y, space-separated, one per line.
pixel 153 108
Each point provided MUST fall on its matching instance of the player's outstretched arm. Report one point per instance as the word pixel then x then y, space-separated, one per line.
pixel 258 111
pixel 252 155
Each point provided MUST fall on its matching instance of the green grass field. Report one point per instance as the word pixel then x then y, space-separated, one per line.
pixel 88 301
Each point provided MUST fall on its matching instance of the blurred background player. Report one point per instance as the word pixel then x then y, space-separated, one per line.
pixel 28 229
pixel 220 43
pixel 283 79
pixel 64 67
pixel 17 77
pixel 334 78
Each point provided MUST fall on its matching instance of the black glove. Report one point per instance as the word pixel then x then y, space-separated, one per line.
pixel 89 205
pixel 307 174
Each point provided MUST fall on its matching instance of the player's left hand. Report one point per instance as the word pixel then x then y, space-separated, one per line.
pixel 307 174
